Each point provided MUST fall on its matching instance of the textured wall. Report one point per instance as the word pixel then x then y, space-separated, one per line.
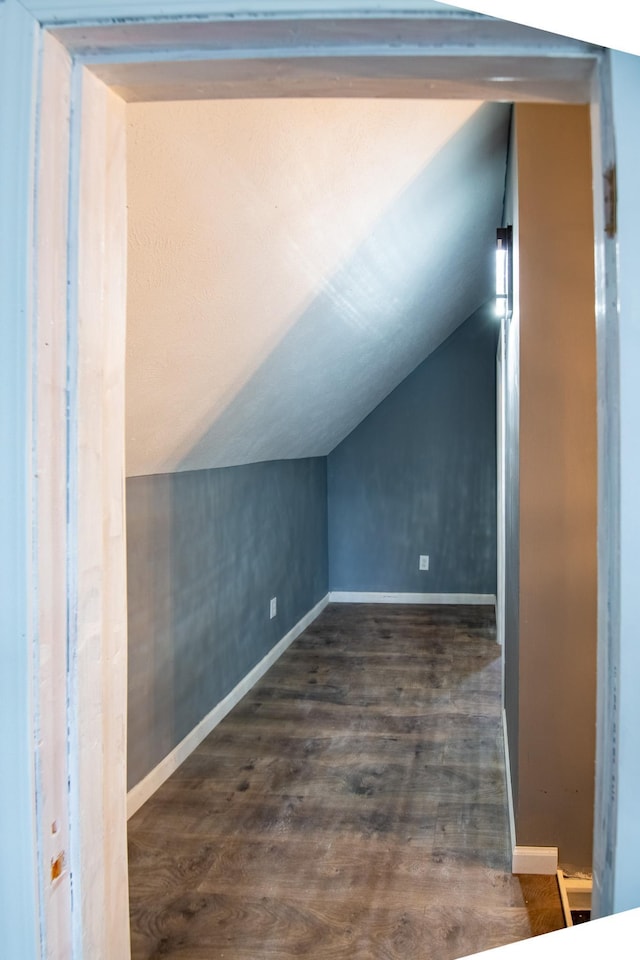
pixel 291 261
pixel 558 482
pixel 206 552
pixel 419 476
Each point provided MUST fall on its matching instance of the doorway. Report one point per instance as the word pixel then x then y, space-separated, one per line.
pixel 96 134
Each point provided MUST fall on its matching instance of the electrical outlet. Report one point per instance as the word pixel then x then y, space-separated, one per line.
pixel 424 562
pixel 273 607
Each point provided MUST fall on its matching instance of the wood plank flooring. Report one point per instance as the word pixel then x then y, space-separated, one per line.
pixel 351 806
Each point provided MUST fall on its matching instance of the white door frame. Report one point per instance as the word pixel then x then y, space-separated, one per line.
pixel 70 251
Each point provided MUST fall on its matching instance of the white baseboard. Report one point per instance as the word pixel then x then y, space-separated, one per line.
pixel 535 860
pixel 507 770
pixel 342 596
pixel 148 786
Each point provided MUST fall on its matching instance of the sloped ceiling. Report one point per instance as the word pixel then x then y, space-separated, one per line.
pixel 292 261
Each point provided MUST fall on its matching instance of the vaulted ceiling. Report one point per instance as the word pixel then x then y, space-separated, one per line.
pixel 292 261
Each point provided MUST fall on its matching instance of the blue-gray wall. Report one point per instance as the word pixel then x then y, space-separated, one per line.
pixel 622 861
pixel 206 551
pixel 418 475
pixel 19 532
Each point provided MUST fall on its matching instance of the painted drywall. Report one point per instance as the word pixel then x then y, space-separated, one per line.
pixel 291 261
pixel 558 482
pixel 19 906
pixel 511 453
pixel 206 552
pixel 625 85
pixel 418 476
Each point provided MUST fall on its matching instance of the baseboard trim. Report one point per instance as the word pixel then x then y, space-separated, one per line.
pixel 345 596
pixel 507 771
pixel 156 777
pixel 535 860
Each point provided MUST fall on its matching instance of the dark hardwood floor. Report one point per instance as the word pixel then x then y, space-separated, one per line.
pixel 351 806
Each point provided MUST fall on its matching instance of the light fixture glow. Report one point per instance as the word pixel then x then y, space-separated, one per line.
pixel 501 271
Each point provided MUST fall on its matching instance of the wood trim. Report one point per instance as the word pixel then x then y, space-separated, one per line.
pixel 256 37
pixel 430 72
pixel 608 394
pixel 90 11
pixel 147 787
pixel 51 490
pixel 564 900
pixel 416 54
pixel 507 771
pixel 537 860
pixel 575 894
pixel 345 596
pixel 97 584
pixel 625 77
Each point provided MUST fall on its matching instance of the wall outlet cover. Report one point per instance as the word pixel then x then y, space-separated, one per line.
pixel 424 562
pixel 273 607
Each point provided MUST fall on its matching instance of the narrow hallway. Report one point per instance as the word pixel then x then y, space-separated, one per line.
pixel 353 805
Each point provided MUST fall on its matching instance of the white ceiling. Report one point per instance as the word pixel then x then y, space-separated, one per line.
pixel 291 261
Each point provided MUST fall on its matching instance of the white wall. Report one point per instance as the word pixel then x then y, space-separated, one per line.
pixel 291 261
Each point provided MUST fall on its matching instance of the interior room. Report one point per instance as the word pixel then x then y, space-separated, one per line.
pixel 319 516
pixel 67 75
pixel 277 295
